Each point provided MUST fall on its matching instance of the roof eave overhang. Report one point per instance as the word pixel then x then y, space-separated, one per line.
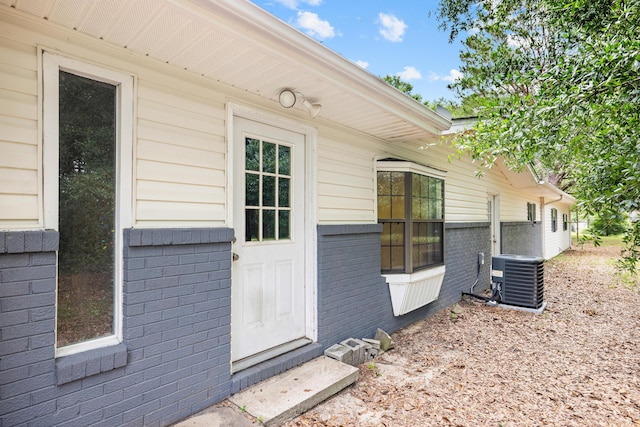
pixel 351 96
pixel 528 181
pixel 249 20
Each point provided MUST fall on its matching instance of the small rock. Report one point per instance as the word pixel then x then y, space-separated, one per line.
pixel 385 340
pixel 456 309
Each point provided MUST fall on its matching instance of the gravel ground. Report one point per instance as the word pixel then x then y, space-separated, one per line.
pixel 577 364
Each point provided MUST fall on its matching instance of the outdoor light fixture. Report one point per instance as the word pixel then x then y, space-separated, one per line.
pixel 288 99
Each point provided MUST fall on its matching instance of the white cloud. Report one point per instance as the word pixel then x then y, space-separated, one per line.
pixel 473 31
pixel 517 41
pixel 293 4
pixel 453 76
pixel 409 73
pixel 314 26
pixel 363 64
pixel 391 28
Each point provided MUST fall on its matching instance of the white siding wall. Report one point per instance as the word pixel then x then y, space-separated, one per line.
pixel 180 151
pixel 558 241
pixel 180 160
pixel 347 179
pixel 20 168
pixel 346 182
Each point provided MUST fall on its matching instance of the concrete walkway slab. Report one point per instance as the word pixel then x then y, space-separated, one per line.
pixel 218 417
pixel 285 396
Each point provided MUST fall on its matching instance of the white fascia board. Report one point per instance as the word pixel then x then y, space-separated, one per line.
pixel 315 57
pixel 566 198
pixel 461 125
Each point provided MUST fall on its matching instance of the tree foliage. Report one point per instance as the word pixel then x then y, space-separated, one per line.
pixel 464 109
pixel 609 225
pixel 402 86
pixel 557 83
pixel 87 174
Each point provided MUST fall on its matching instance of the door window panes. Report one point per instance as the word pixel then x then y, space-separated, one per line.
pixel 268 189
pixel 284 192
pixel 283 225
pixel 284 160
pixel 252 157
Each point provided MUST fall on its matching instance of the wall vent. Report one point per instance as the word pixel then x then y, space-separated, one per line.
pixel 519 280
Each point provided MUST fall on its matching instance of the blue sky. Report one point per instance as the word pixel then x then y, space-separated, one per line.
pixel 387 37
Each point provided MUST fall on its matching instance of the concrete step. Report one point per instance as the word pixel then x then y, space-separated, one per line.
pixel 285 396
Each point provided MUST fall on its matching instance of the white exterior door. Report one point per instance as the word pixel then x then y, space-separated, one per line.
pixel 268 290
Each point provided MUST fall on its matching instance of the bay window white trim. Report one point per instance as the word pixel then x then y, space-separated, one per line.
pixel 412 291
pixel 405 166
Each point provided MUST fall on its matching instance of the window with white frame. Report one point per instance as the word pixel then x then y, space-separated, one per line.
pixel 88 115
pixel 531 212
pixel 411 211
pixel 554 220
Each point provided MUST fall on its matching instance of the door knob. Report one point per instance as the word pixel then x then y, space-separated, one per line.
pixel 235 256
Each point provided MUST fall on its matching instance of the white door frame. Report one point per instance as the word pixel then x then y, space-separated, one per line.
pixel 311 140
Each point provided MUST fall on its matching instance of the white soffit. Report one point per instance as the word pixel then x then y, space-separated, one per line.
pixel 239 44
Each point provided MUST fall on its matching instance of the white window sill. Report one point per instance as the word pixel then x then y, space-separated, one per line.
pixel 412 291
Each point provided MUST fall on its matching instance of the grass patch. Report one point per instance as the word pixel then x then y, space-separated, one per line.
pixel 612 240
pixel 628 280
pixel 608 253
pixel 605 241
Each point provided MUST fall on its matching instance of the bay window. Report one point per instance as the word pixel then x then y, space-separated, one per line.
pixel 411 211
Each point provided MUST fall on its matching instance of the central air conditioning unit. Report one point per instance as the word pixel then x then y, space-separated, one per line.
pixel 518 280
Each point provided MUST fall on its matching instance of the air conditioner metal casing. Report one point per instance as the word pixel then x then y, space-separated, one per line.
pixel 520 279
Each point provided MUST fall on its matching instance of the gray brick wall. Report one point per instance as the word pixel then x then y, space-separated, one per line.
pixel 353 298
pixel 463 243
pixel 521 238
pixel 175 357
